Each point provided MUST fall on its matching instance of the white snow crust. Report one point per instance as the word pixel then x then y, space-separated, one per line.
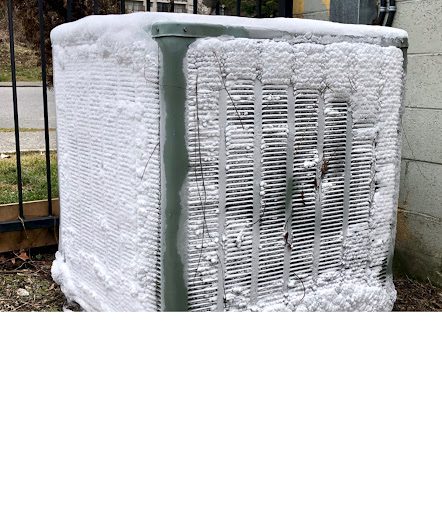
pixel 107 106
pixel 338 263
pixel 130 27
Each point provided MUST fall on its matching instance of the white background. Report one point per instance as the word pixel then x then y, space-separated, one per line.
pixel 213 412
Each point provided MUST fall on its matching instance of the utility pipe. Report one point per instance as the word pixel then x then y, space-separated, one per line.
pixel 382 11
pixel 391 13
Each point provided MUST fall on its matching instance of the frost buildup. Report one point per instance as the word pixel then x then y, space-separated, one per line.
pixel 293 145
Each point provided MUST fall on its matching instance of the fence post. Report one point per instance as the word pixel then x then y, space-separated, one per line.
pixel 15 105
pixel 69 10
pixel 285 8
pixel 45 104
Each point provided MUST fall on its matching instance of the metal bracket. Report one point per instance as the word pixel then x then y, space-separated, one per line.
pixel 192 30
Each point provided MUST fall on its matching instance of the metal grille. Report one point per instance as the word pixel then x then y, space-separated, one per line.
pixel 293 189
pixel 98 172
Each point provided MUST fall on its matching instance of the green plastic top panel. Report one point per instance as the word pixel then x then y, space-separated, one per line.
pixel 197 26
pixel 134 26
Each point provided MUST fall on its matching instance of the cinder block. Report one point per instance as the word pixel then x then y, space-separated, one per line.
pixel 418 250
pixel 424 81
pixel 422 135
pixel 421 188
pixel 422 20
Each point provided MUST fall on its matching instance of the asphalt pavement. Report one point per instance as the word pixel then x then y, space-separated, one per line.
pixel 30 116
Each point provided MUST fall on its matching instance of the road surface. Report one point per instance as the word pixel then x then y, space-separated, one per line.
pixel 30 115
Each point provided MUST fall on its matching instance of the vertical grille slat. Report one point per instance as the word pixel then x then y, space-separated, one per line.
pixel 203 204
pixel 272 189
pixel 239 195
pixel 357 236
pixel 332 186
pixel 304 182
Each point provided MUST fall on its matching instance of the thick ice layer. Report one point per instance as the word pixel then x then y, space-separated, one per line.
pixel 107 105
pixel 318 122
pixel 134 26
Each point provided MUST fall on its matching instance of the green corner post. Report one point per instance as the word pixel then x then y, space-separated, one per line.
pixel 173 40
pixel 174 163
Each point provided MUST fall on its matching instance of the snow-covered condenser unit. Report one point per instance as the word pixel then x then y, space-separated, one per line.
pixel 211 163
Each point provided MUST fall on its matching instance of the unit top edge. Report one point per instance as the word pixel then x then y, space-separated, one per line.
pixel 134 26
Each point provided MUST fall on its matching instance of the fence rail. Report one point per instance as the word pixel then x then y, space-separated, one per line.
pixel 49 220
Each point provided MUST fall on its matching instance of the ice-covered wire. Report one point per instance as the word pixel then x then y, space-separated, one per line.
pixel 148 160
pixel 227 90
pixel 203 203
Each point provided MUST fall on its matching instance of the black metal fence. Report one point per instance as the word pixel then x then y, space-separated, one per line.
pixel 70 8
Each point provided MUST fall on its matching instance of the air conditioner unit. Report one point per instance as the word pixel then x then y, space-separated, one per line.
pixel 212 163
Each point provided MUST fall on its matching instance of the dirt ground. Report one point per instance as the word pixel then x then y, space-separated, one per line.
pixel 415 296
pixel 26 285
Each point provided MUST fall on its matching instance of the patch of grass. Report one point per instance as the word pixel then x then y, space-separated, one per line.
pixel 26 63
pixel 33 177
pixel 23 74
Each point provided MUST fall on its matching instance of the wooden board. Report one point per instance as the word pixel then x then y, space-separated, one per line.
pixel 16 240
pixel 31 209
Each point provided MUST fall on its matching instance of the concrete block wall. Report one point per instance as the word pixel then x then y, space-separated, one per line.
pixel 419 234
pixel 418 250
